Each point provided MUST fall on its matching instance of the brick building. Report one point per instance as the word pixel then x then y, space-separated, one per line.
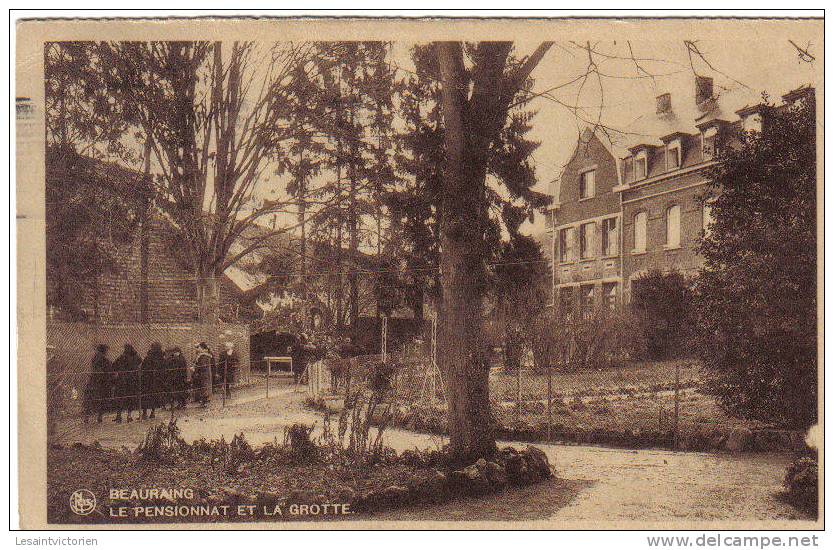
pixel 664 175
pixel 585 222
pixel 143 275
pixel 152 284
pixel 615 220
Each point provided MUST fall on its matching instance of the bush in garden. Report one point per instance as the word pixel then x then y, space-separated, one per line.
pixel 802 484
pixel 381 376
pixel 163 444
pixel 568 339
pixel 302 448
pixel 662 308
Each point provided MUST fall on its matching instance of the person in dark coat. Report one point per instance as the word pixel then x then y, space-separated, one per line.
pixel 228 367
pixel 126 370
pixel 176 370
pixel 153 382
pixel 202 378
pixel 97 394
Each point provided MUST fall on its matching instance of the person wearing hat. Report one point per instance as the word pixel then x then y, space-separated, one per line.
pixel 97 394
pixel 126 377
pixel 153 386
pixel 202 380
pixel 228 366
pixel 176 371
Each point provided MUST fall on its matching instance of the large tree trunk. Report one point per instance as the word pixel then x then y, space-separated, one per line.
pixel 464 364
pixel 475 103
pixel 208 297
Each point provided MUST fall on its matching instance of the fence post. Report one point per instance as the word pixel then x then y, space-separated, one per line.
pixel 677 405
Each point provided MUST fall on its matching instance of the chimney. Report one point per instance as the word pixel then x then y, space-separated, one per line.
pixel 703 89
pixel 664 104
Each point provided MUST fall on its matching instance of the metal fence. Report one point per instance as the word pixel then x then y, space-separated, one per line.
pixel 651 403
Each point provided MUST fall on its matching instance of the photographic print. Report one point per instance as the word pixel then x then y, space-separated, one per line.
pixel 420 273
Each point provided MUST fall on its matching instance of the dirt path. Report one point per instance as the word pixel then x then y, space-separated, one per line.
pixel 595 484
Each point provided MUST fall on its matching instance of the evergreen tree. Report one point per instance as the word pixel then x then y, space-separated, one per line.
pixel 756 295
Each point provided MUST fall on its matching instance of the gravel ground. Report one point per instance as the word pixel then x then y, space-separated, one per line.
pixel 594 484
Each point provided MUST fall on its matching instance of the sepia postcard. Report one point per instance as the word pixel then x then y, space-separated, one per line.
pixel 393 273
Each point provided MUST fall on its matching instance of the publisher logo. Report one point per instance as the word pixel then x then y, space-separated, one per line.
pixel 83 502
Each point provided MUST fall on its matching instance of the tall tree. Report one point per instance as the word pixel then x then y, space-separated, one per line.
pixel 757 292
pixel 214 116
pixel 476 102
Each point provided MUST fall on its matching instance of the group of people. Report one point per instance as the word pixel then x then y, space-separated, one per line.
pixel 163 378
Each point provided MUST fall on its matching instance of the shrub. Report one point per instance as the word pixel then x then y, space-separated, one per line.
pixel 574 340
pixel 381 376
pixel 661 306
pixel 302 448
pixel 802 484
pixel 163 444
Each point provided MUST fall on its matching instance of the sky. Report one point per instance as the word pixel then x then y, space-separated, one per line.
pixel 617 92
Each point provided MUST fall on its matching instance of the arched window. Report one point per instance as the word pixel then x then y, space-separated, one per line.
pixel 640 232
pixel 673 227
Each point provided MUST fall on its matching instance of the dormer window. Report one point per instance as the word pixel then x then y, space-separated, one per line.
pixel 587 184
pixel 628 169
pixel 752 123
pixel 673 155
pixel 708 138
pixel 641 165
pixel 751 118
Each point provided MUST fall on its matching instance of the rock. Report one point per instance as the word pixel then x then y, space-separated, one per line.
pixel 496 474
pixel 740 439
pixel 537 461
pixel 347 495
pixel 301 497
pixel 265 498
pixel 233 495
pixel 518 472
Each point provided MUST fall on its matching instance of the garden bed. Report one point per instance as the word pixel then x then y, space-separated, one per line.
pixel 582 425
pixel 215 481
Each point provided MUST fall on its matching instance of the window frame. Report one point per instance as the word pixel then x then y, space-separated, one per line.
pixel 645 225
pixel 674 145
pixel 610 295
pixel 641 158
pixel 566 249
pixel 606 240
pixel 583 184
pixel 586 242
pixel 677 209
